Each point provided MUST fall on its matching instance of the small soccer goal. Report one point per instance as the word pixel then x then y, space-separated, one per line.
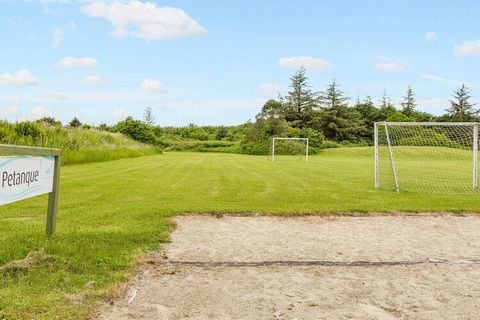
pixel 426 157
pixel 287 147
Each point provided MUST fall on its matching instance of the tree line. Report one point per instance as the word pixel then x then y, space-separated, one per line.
pixel 327 117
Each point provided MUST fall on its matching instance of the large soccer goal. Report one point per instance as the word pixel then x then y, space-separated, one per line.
pixel 289 147
pixel 426 157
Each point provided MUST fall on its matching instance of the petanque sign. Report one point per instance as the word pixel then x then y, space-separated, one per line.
pixel 31 172
pixel 25 177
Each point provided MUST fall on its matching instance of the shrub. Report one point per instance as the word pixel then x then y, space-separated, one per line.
pixel 27 129
pixel 137 130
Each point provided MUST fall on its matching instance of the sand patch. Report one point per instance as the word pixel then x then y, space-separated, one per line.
pixel 447 290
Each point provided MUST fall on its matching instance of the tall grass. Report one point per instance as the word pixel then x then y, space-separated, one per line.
pixel 78 145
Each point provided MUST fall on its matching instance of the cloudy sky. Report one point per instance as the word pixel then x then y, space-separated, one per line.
pixel 217 62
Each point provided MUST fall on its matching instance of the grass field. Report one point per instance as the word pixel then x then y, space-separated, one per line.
pixel 111 212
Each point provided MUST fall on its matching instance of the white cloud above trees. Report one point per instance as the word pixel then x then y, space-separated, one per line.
pixel 39 112
pixel 468 48
pixel 309 63
pixel 152 86
pixel 145 20
pixel 388 65
pixel 20 78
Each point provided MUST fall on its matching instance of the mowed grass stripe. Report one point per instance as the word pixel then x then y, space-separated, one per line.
pixel 111 212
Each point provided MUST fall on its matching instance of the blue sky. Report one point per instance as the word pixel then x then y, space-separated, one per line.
pixel 217 62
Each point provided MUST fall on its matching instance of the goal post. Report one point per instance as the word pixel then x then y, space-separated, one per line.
pixel 426 157
pixel 275 142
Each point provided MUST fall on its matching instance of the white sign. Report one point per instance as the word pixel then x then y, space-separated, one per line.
pixel 25 177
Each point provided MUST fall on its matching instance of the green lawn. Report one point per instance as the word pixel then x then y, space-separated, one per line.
pixel 111 212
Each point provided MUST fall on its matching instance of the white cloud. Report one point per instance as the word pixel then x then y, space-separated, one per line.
pixel 39 112
pixel 13 109
pixel 59 33
pixel 430 36
pixel 93 79
pixel 437 78
pixel 468 48
pixel 145 20
pixel 152 86
pixel 56 95
pixel 388 66
pixel 450 81
pixel 19 79
pixel 309 63
pixel 70 62
pixel 121 114
pixel 270 89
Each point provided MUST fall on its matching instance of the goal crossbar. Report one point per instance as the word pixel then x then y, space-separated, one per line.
pixel 289 138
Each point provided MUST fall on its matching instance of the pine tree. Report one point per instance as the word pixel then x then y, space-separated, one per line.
pixel 408 104
pixel 369 114
pixel 338 121
pixel 300 100
pixel 148 117
pixel 75 123
pixel 460 107
pixel 387 108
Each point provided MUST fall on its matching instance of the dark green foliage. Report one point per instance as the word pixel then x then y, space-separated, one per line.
pixel 257 138
pixel 49 121
pixel 273 109
pixel 408 104
pixel 461 109
pixel 75 123
pixel 137 130
pixel 338 121
pixel 369 114
pixel 400 117
pixel 27 129
pixel 300 101
pixel 148 116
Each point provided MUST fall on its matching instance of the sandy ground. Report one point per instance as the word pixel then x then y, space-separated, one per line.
pixel 169 289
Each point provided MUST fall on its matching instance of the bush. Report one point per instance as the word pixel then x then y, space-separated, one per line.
pixel 203 146
pixel 27 129
pixel 137 130
pixel 78 145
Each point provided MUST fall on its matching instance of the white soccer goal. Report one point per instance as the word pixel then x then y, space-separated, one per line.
pixel 289 146
pixel 426 157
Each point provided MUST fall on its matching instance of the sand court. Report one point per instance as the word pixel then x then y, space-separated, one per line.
pixel 311 267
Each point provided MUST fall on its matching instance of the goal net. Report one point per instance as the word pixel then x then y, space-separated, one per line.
pixel 426 157
pixel 284 148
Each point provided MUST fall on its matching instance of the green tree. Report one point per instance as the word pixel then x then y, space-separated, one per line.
pixel 408 104
pixel 136 130
pixel 272 109
pixel 300 100
pixel 369 114
pixel 461 109
pixel 148 116
pixel 75 123
pixel 50 121
pixel 337 120
pixel 387 109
